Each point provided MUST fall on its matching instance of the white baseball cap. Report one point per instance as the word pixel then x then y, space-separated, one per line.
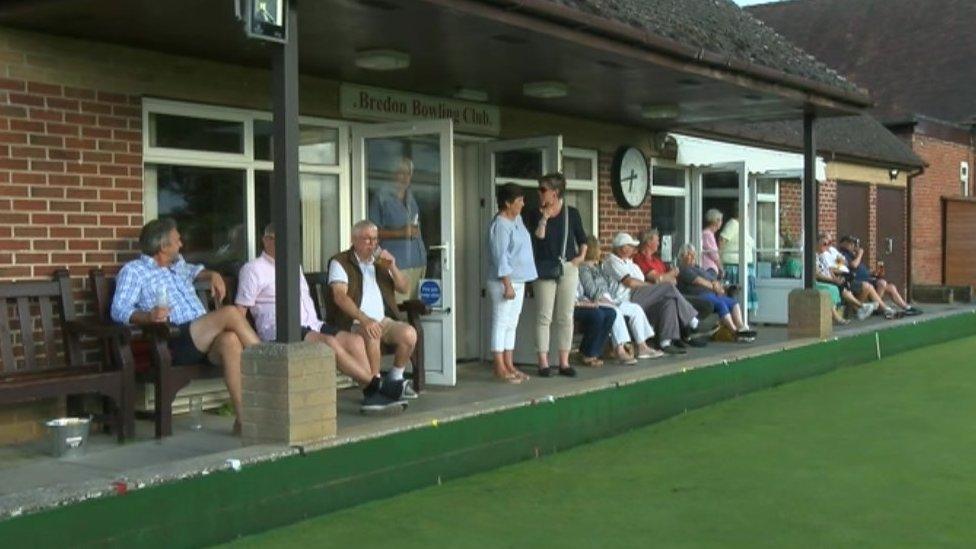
pixel 624 239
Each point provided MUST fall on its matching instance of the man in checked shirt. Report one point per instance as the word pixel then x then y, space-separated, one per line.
pixel 158 287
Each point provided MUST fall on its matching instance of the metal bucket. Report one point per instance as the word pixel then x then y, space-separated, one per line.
pixel 68 436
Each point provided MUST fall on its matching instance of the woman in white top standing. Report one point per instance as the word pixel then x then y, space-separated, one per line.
pixel 511 265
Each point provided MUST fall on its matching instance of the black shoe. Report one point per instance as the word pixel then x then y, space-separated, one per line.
pixel 912 311
pixel 678 343
pixel 392 388
pixel 378 403
pixel 568 371
pixel 673 350
pixel 545 372
pixel 746 333
pixel 696 342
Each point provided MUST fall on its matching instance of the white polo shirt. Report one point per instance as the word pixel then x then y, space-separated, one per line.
pixel 372 303
pixel 619 268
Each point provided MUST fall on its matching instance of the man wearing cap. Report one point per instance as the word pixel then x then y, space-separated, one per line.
pixel 666 308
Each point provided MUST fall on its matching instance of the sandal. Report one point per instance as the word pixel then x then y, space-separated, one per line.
pixel 507 378
pixel 592 362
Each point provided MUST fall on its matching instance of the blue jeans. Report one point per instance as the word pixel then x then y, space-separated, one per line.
pixel 723 304
pixel 596 323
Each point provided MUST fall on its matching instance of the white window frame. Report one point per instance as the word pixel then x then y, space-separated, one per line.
pixel 244 161
pixel 774 199
pixel 591 184
pixel 674 192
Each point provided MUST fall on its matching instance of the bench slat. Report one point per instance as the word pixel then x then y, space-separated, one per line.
pixel 6 338
pixel 47 326
pixel 27 333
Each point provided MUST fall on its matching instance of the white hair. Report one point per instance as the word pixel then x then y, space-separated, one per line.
pixel 363 225
pixel 713 216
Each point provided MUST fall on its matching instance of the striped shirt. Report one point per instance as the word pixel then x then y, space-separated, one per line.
pixel 142 282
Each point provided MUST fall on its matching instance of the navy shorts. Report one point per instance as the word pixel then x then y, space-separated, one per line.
pixel 182 349
pixel 325 329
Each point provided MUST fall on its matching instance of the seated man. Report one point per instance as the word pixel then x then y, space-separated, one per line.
pixel 657 272
pixel 363 281
pixel 256 292
pixel 694 280
pixel 863 281
pixel 158 287
pixel 669 313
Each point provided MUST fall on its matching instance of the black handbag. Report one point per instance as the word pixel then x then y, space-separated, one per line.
pixel 552 269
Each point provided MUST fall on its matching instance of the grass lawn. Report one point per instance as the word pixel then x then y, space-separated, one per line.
pixel 878 455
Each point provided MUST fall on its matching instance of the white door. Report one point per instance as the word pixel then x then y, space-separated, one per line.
pixel 403 180
pixel 520 161
pixel 725 181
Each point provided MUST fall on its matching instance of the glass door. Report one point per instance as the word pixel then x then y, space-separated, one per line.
pixel 403 180
pixel 521 161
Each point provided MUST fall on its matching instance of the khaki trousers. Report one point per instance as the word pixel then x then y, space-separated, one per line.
pixel 556 299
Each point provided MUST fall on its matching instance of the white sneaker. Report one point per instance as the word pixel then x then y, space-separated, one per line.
pixel 866 310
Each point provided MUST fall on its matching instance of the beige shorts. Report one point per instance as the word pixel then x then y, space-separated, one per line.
pixel 388 325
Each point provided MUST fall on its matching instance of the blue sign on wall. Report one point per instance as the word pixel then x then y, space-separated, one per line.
pixel 430 292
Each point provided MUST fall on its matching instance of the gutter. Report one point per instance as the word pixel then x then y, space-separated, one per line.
pixel 620 32
pixel 911 221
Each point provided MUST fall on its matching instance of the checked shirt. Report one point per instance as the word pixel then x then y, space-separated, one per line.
pixel 140 283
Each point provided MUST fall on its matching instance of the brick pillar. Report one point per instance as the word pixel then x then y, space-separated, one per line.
pixel 289 393
pixel 809 314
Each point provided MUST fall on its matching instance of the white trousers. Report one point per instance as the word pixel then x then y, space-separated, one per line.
pixel 634 316
pixel 504 315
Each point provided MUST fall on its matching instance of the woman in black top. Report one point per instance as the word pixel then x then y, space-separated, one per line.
pixel 559 245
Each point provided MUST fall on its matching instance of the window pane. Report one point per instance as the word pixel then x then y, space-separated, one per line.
pixel 200 134
pixel 208 206
pixel 669 177
pixel 766 186
pixel 317 144
pixel 720 180
pixel 582 201
pixel 668 217
pixel 766 233
pixel 524 164
pixel 578 168
pixel 319 222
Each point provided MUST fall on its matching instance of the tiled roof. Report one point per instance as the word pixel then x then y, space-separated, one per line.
pixel 915 56
pixel 716 26
pixel 859 137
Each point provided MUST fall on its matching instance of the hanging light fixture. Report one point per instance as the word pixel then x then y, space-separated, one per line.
pixel 382 60
pixel 546 89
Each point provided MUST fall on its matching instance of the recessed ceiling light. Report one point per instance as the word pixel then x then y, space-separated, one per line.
pixel 471 94
pixel 660 111
pixel 382 60
pixel 547 89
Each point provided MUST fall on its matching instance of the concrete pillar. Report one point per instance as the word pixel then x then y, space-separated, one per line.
pixel 289 393
pixel 809 314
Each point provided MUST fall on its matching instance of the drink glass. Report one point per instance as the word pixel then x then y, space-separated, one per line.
pixel 196 413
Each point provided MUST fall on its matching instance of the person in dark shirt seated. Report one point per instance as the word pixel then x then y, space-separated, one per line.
pixel 864 283
pixel 693 280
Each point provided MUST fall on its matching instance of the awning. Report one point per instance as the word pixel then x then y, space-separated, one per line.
pixel 697 151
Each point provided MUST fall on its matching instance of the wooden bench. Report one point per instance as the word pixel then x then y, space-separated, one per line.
pixel 318 283
pixel 150 344
pixel 52 365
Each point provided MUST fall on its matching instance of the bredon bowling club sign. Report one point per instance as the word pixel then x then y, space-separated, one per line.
pixel 366 103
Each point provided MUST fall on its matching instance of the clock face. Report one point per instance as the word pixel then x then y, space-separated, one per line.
pixel 631 178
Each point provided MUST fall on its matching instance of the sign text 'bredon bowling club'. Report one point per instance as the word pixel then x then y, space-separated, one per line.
pixel 389 105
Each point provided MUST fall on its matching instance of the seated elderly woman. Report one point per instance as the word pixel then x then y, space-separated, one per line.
pixel 597 287
pixel 668 311
pixel 694 280
pixel 595 321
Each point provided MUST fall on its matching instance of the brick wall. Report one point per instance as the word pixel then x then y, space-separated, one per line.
pixel 613 218
pixel 791 211
pixel 70 196
pixel 827 207
pixel 940 178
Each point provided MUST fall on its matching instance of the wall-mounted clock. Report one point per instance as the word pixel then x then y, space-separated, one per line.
pixel 630 177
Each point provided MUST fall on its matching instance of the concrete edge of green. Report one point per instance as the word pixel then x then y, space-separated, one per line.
pixel 223 505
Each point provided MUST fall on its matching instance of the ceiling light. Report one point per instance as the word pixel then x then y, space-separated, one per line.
pixel 549 89
pixel 382 60
pixel 471 94
pixel 660 111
